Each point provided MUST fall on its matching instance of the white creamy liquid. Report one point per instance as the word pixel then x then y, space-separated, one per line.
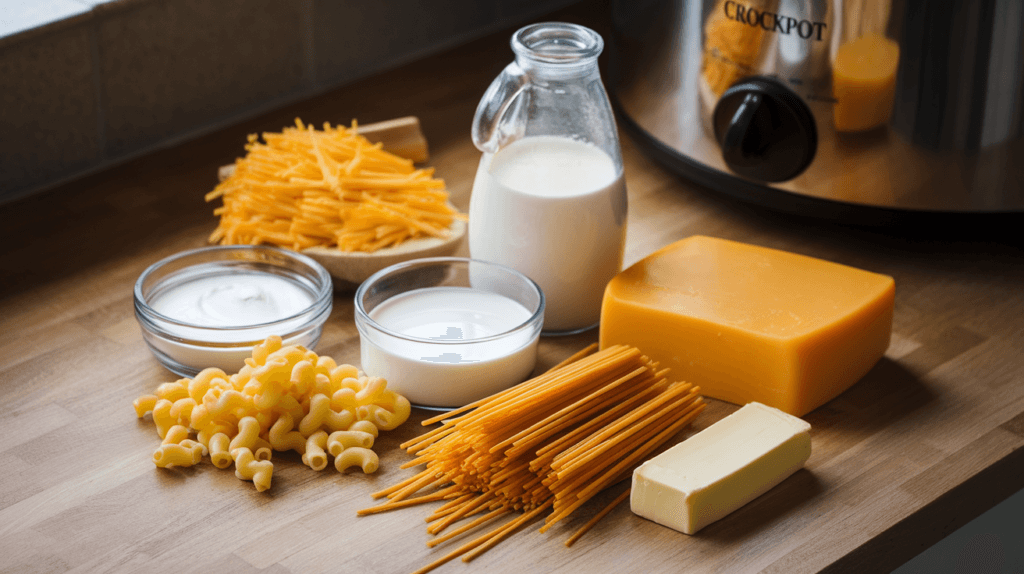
pixel 554 209
pixel 448 366
pixel 232 300
pixel 235 299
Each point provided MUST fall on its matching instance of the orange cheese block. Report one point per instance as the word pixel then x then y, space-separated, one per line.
pixel 749 323
pixel 864 82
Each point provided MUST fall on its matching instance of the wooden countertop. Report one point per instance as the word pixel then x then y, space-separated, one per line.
pixel 928 440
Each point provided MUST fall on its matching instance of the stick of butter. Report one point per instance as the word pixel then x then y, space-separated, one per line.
pixel 721 468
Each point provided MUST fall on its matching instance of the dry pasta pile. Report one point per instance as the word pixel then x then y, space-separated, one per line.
pixel 552 442
pixel 284 398
pixel 306 188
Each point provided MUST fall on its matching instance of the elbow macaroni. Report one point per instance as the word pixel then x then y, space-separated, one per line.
pixel 145 404
pixel 162 417
pixel 248 432
pixel 320 415
pixel 178 454
pixel 340 440
pixel 282 437
pixel 364 458
pixel 316 457
pixel 172 391
pixel 176 434
pixel 284 398
pixel 248 468
pixel 264 450
pixel 220 451
pixel 365 426
pixel 181 410
pixel 385 419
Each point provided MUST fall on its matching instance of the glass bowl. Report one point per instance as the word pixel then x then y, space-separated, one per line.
pixel 207 307
pixel 447 331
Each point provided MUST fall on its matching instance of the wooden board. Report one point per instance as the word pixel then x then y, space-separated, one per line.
pixel 930 438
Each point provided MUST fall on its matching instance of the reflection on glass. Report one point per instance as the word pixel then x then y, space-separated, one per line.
pixel 731 45
pixel 864 83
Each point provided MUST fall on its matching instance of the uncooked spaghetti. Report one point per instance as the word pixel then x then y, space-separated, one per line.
pixel 550 443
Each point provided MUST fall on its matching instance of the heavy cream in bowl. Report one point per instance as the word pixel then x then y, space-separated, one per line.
pixel 447 331
pixel 208 307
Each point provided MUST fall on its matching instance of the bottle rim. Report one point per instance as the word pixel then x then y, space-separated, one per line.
pixel 557 43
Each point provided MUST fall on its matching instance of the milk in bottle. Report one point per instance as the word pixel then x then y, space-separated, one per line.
pixel 549 199
pixel 554 209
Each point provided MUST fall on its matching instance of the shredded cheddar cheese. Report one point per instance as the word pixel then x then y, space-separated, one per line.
pixel 305 188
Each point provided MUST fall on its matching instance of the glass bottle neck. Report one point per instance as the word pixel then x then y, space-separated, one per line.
pixel 557 50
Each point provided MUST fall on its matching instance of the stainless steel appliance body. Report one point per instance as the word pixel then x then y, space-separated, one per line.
pixel 907 105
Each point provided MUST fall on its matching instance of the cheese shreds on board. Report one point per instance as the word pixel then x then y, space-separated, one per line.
pixel 304 188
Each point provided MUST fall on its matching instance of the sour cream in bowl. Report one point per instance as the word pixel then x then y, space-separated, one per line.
pixel 208 307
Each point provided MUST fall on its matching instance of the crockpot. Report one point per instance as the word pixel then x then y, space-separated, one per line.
pixel 804 105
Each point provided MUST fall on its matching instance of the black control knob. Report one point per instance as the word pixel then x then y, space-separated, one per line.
pixel 765 130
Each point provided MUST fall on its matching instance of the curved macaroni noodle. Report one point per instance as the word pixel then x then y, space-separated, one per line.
pixel 320 414
pixel 248 432
pixel 181 410
pixel 220 402
pixel 261 351
pixel 189 443
pixel 282 437
pixel 178 455
pixel 145 404
pixel 384 419
pixel 344 398
pixel 340 440
pixel 268 381
pixel 351 382
pixel 162 417
pixel 202 382
pixel 322 385
pixel 303 376
pixel 264 450
pixel 364 458
pixel 342 372
pixel 173 391
pixel 247 467
pixel 200 417
pixel 315 457
pixel 372 391
pixel 284 398
pixel 176 434
pixel 203 436
pixel 325 364
pixel 220 453
pixel 365 426
pixel 292 406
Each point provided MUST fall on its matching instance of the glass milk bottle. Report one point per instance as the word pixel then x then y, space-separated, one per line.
pixel 549 199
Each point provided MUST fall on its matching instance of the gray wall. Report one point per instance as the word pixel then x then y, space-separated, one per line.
pixel 85 84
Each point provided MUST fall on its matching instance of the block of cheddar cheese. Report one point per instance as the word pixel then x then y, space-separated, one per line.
pixel 721 468
pixel 749 323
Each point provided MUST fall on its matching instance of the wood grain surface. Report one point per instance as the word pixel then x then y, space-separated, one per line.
pixel 929 439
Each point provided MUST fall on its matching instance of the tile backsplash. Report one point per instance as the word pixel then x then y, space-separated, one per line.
pixel 85 84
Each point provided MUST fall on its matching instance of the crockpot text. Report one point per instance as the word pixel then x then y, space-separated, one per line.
pixel 773 22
